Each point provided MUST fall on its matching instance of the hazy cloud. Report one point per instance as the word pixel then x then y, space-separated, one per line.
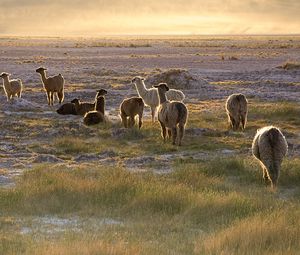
pixel 75 17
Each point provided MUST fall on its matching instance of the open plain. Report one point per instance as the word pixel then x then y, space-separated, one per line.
pixel 70 189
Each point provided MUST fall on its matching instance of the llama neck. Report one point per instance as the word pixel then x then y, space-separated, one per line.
pixel 162 96
pixel 76 104
pixel 6 82
pixel 100 104
pixel 141 88
pixel 43 76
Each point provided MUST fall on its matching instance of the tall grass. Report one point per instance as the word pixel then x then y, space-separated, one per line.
pixel 269 233
pixel 161 214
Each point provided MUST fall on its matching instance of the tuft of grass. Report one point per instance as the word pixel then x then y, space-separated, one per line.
pixel 72 145
pixel 290 174
pixel 276 112
pixel 269 233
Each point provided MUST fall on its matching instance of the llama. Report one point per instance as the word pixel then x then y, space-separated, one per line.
pixel 98 115
pixel 269 147
pixel 150 96
pixel 53 84
pixel 171 115
pixel 237 110
pixel 131 107
pixel 68 108
pixel 11 87
pixel 82 108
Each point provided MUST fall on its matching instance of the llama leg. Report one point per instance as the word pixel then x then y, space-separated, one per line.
pixel 181 133
pixel 163 131
pixel 243 119
pixel 231 122
pixel 19 94
pixel 131 121
pixel 174 135
pixel 140 120
pixel 274 173
pixel 153 111
pixel 124 120
pixel 60 96
pixel 48 97
pixel 237 124
pixel 169 133
pixel 265 176
pixel 51 98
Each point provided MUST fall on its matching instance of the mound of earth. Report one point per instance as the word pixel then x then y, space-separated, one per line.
pixel 175 78
pixel 19 104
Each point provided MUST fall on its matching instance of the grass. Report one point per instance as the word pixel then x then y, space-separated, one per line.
pixel 211 204
pixel 190 204
pixel 273 233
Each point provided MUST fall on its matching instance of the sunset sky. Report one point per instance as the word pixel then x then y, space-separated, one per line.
pixel 116 17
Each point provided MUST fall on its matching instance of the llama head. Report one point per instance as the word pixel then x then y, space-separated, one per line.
pixel 41 69
pixel 162 87
pixel 101 92
pixel 75 101
pixel 4 75
pixel 137 79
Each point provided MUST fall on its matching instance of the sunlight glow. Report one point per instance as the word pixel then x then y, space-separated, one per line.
pixel 95 17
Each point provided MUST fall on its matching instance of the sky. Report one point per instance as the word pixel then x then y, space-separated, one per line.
pixel 148 17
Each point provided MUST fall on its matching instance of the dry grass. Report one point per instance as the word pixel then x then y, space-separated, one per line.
pixel 215 204
pixel 272 233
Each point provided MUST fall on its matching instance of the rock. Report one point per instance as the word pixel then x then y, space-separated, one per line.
pixel 226 151
pixel 196 131
pixel 47 158
pixel 92 157
pixel 119 132
pixel 139 161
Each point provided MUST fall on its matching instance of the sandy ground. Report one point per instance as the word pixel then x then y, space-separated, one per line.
pixel 217 68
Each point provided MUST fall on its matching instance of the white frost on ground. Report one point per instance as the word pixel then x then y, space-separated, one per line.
pixel 20 105
pixel 49 225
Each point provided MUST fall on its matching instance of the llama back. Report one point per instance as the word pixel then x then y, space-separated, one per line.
pixel 182 112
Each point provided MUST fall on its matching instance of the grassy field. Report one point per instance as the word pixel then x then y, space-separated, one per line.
pixel 211 204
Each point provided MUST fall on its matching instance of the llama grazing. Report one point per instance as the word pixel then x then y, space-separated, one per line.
pixel 129 108
pixel 269 147
pixel 150 96
pixel 98 115
pixel 53 84
pixel 171 115
pixel 11 87
pixel 237 110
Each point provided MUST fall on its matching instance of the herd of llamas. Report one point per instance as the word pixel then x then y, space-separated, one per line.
pixel 269 145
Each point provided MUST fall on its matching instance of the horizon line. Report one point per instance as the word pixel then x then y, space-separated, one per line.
pixel 140 35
